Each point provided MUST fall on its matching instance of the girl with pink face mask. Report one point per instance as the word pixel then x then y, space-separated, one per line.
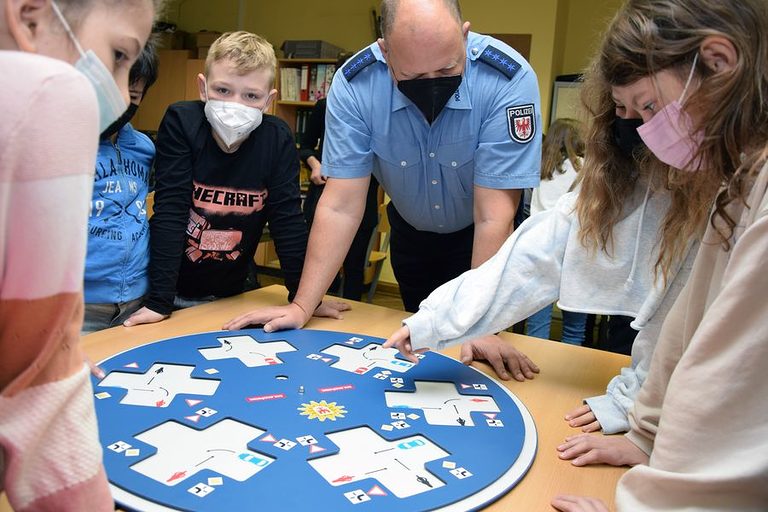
pixel 696 73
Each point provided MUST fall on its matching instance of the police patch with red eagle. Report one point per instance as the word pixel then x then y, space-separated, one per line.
pixel 522 123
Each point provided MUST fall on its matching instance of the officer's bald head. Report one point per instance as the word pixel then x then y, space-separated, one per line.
pixel 408 14
pixel 423 38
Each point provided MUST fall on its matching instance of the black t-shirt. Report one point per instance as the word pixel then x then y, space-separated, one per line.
pixel 211 207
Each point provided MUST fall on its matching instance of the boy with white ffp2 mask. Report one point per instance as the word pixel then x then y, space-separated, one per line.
pixel 224 169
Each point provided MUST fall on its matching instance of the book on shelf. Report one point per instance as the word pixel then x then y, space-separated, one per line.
pixel 308 82
pixel 330 70
pixel 290 79
pixel 302 124
pixel 313 83
pixel 319 79
pixel 305 83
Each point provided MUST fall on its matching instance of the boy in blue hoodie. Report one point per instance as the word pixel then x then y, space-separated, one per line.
pixel 118 231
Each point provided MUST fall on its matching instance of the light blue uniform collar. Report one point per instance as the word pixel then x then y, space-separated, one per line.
pixel 460 100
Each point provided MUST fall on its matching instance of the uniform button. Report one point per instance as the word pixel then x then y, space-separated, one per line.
pixel 403 163
pixel 454 164
pixel 431 155
pixel 434 182
pixel 437 207
pixel 475 51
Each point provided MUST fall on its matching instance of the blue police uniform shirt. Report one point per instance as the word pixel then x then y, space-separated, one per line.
pixel 488 134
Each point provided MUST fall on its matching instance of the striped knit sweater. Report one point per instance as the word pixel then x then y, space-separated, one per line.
pixel 50 456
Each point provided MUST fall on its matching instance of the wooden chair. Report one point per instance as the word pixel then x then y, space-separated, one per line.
pixel 377 253
pixel 150 203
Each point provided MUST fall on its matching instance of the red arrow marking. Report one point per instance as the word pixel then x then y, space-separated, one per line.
pixel 345 478
pixel 160 403
pixel 478 400
pixel 177 475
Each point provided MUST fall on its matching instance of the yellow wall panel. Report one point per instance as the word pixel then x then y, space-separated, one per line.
pixel 587 19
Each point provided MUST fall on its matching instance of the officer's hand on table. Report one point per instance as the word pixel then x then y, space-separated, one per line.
pixel 331 309
pixel 565 503
pixel 401 340
pixel 583 417
pixel 144 316
pixel 292 316
pixel 502 356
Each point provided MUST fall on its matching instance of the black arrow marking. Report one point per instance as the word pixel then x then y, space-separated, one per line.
pixel 204 461
pixel 423 480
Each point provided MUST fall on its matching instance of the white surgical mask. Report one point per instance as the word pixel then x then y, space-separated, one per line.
pixel 232 121
pixel 111 102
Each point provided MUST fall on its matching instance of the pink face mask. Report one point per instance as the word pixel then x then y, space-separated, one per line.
pixel 668 133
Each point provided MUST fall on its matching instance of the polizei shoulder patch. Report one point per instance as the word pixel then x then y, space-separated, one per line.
pixel 521 120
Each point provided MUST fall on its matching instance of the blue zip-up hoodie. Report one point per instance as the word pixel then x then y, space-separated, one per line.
pixel 118 231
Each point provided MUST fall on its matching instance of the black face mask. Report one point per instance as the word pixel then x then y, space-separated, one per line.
pixel 626 137
pixel 430 94
pixel 121 121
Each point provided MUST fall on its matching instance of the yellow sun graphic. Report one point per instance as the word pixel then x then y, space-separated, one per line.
pixel 322 410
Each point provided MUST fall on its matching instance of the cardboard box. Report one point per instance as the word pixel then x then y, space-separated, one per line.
pixel 170 40
pixel 310 49
pixel 202 38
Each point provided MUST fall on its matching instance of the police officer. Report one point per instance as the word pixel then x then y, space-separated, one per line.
pixel 449 123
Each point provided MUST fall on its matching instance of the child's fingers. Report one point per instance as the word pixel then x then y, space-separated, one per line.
pixel 583 409
pixel 582 420
pixel 397 338
pixel 592 427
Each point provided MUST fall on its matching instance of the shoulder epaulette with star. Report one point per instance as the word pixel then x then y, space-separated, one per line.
pixel 500 60
pixel 358 63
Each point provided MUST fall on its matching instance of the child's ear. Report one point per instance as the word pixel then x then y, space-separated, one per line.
pixel 23 18
pixel 201 86
pixel 270 99
pixel 719 54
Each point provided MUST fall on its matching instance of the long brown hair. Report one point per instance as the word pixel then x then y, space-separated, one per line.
pixel 563 141
pixel 645 37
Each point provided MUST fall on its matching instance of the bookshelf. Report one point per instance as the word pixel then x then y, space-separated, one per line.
pixel 290 105
pixel 288 82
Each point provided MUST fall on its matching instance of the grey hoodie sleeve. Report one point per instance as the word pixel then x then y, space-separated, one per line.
pixel 520 279
pixel 612 408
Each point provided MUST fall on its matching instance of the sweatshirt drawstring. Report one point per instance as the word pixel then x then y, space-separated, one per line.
pixel 631 279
